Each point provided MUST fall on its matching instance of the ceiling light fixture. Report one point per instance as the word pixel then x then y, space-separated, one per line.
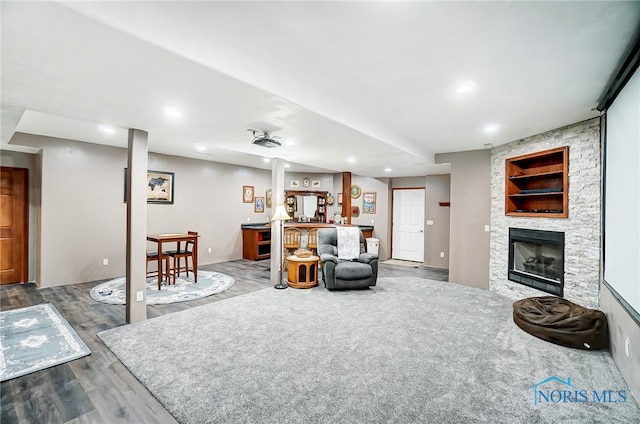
pixel 201 148
pixel 286 165
pixel 491 128
pixel 351 159
pixel 172 111
pixel 388 170
pixel 107 130
pixel 466 87
pixel 266 160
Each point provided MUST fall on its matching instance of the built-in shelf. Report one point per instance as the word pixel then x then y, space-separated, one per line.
pixel 537 184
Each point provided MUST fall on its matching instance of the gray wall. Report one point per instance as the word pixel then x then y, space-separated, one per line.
pixel 83 214
pixel 622 327
pixel 436 236
pixel 470 212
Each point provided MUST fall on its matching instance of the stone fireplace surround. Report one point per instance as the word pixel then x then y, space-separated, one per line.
pixel 581 228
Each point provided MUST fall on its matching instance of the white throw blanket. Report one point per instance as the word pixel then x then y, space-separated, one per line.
pixel 348 242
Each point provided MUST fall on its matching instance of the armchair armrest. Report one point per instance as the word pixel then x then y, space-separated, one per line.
pixel 327 257
pixel 367 257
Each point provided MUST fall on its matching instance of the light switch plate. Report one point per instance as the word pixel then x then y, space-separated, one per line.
pixel 429 222
pixel 486 228
pixel 139 296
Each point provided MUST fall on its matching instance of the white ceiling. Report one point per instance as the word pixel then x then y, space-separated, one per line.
pixel 375 81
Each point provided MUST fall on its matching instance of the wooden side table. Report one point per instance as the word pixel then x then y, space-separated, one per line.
pixel 303 272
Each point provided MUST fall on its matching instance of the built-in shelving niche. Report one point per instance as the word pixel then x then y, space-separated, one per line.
pixel 537 184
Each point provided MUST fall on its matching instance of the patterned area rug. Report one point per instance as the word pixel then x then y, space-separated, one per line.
pixel 35 338
pixel 113 291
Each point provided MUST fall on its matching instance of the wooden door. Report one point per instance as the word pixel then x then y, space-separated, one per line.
pixel 408 224
pixel 13 225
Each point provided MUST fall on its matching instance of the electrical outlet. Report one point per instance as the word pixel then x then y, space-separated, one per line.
pixel 442 254
pixel 139 296
pixel 105 262
pixel 209 250
pixel 372 221
pixel 627 342
pixel 248 219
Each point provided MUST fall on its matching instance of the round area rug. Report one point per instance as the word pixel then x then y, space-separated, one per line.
pixel 113 291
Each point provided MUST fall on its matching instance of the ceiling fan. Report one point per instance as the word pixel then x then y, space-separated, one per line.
pixel 264 139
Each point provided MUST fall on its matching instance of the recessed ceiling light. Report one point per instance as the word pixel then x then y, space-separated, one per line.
pixel 351 159
pixel 388 169
pixel 172 111
pixel 266 160
pixel 286 165
pixel 201 148
pixel 466 87
pixel 107 130
pixel 490 128
pixel 290 143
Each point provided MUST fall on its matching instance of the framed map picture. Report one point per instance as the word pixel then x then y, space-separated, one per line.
pixel 160 186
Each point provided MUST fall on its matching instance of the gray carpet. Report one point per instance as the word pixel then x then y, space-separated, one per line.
pixel 407 351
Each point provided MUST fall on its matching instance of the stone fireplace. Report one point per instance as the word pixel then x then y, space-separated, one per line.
pixel 536 259
pixel 580 275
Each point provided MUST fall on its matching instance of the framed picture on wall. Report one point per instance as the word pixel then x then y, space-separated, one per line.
pixel 315 184
pixel 268 196
pixel 258 206
pixel 160 187
pixel 369 202
pixel 247 194
pixel 295 183
pixel 339 199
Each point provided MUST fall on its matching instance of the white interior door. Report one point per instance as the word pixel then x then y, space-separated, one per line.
pixel 408 224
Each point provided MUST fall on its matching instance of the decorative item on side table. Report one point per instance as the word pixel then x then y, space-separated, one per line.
pixel 369 202
pixel 247 194
pixel 280 215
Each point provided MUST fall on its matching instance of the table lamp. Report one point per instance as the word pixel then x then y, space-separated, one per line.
pixel 281 215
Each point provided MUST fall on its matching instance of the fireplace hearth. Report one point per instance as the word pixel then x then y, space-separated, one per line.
pixel 536 259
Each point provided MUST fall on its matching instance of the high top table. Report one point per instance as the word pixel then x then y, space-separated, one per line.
pixel 177 238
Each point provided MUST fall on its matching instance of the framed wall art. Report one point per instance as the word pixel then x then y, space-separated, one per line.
pixel 369 202
pixel 160 187
pixel 247 194
pixel 295 183
pixel 258 206
pixel 268 196
pixel 315 184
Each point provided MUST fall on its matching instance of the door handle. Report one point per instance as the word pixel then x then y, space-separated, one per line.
pixel 422 231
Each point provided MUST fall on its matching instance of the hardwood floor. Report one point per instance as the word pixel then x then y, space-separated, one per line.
pixel 98 388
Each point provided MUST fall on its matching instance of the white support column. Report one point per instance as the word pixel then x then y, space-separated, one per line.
pixel 277 184
pixel 136 310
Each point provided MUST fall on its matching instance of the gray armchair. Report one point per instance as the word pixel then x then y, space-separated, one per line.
pixel 338 274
